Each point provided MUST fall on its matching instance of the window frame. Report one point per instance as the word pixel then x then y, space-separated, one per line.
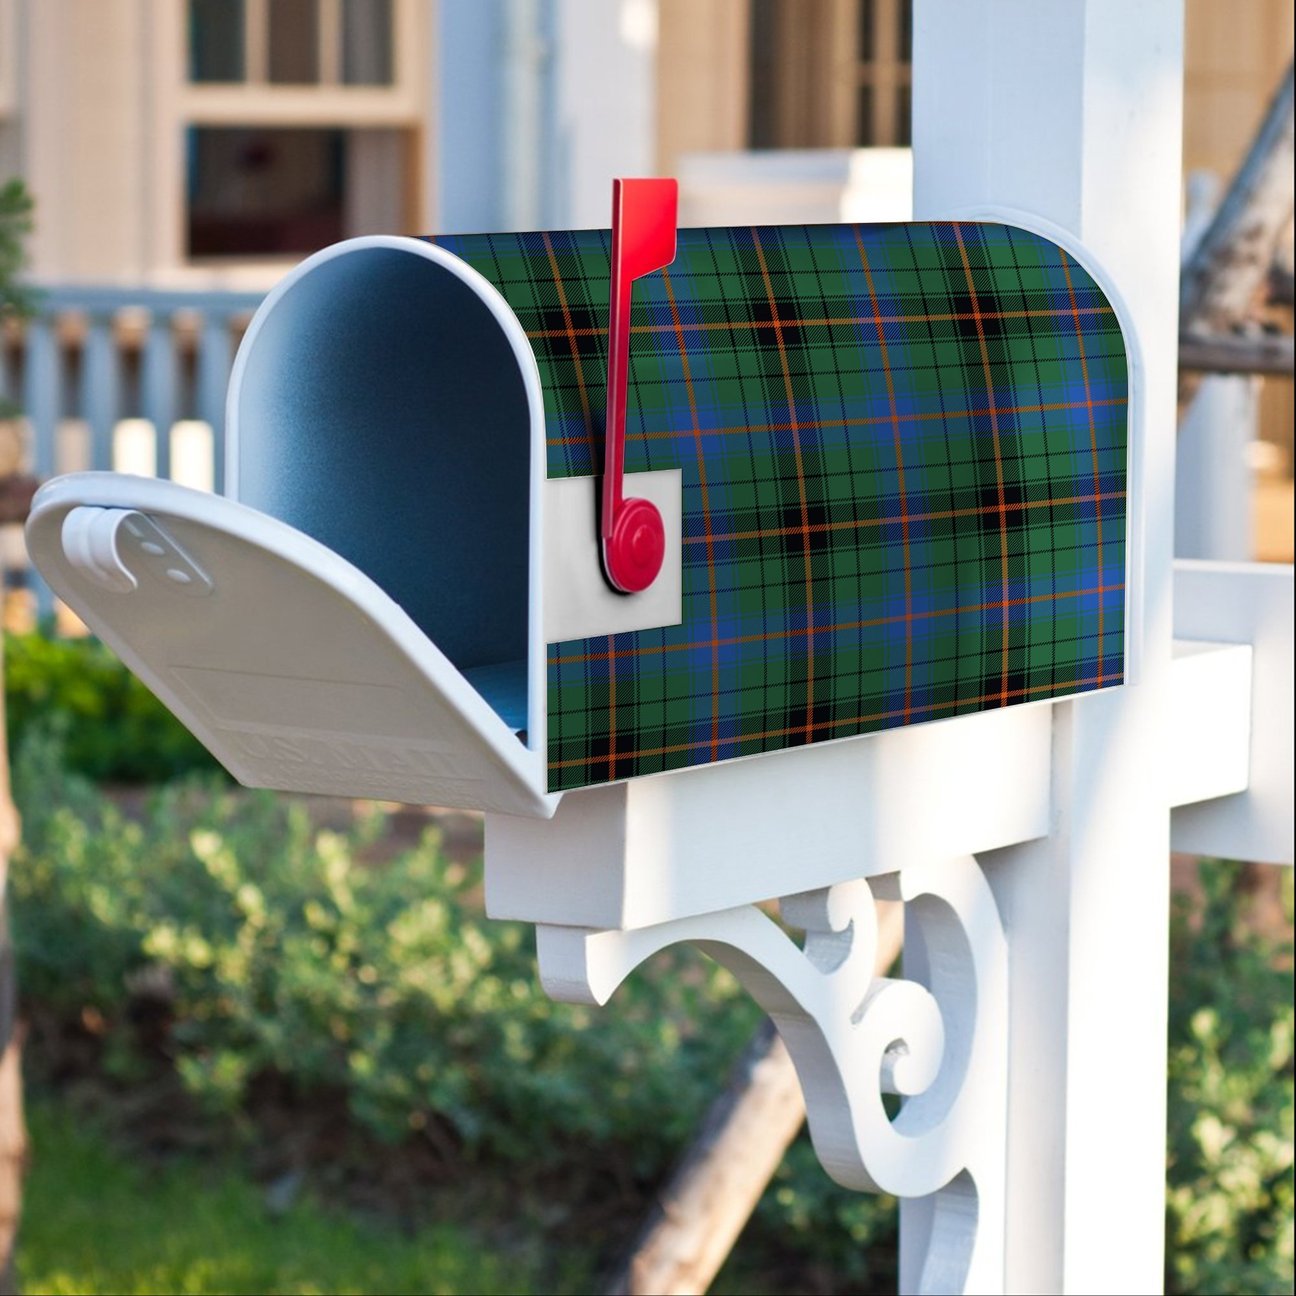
pixel 181 104
pixel 255 100
pixel 814 99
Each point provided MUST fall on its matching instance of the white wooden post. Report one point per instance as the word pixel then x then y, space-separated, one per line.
pixel 1214 514
pixel 1072 112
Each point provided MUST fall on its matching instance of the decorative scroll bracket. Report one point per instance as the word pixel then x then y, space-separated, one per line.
pixel 938 1037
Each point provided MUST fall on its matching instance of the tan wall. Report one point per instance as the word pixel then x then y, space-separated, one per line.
pixel 82 115
pixel 701 78
pixel 96 126
pixel 1235 51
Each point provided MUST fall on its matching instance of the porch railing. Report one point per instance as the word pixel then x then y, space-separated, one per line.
pixel 124 379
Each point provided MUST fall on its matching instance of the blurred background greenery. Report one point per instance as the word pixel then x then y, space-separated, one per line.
pixel 287 1021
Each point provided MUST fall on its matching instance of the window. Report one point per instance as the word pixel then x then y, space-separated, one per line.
pixel 291 42
pixel 830 73
pixel 216 49
pixel 264 192
pixel 293 54
pixel 884 70
pixel 277 192
pixel 297 123
pixel 366 42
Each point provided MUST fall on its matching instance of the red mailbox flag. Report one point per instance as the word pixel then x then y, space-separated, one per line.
pixel 644 217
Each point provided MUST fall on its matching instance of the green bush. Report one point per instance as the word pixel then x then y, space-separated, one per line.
pixel 113 728
pixel 1230 1200
pixel 281 953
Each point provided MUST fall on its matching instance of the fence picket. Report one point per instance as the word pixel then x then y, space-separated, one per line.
pixel 118 376
pixel 214 357
pixel 100 394
pixel 159 386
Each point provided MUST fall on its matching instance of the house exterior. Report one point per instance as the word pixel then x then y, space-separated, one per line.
pixel 209 143
pixel 212 142
pixel 205 146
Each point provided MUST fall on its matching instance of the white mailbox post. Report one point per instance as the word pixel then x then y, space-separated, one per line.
pixel 1032 1156
pixel 1074 112
pixel 321 635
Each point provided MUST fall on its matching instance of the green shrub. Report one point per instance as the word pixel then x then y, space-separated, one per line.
pixel 1229 1200
pixel 113 728
pixel 283 954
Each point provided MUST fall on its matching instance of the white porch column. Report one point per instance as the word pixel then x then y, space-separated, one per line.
pixel 1072 112
pixel 1214 511
pixel 604 106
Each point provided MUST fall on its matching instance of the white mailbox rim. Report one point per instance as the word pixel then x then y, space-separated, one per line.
pixel 514 335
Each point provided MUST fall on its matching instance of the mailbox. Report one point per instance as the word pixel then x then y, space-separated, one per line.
pixel 887 463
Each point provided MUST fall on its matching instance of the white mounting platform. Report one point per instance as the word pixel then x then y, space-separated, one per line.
pixel 675 845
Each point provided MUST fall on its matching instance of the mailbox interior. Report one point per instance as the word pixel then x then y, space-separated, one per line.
pixel 381 403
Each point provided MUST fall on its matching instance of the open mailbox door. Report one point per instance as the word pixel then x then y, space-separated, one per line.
pixel 293 667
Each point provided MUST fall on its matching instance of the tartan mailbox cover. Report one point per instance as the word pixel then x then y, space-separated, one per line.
pixel 899 455
pixel 903 451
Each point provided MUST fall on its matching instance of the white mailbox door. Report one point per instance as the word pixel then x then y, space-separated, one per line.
pixel 287 662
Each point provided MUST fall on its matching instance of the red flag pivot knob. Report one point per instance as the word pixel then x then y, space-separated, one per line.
pixel 633 553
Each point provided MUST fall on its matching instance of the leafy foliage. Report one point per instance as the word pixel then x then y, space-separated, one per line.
pixel 1230 1197
pixel 112 727
pixel 15 224
pixel 282 953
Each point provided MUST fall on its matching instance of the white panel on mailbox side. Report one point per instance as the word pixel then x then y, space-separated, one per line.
pixel 288 663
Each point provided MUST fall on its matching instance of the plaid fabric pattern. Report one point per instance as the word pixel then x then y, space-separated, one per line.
pixel 903 451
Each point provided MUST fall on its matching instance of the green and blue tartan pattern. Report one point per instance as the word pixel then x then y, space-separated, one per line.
pixel 903 451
